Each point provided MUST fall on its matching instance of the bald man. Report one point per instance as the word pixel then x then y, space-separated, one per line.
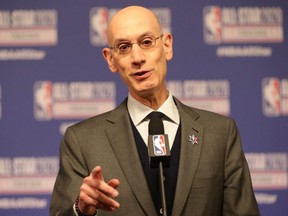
pixel 104 163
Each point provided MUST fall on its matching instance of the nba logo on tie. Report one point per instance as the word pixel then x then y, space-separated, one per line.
pixel 159 145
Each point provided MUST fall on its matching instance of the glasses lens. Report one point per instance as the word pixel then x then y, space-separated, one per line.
pixel 123 47
pixel 147 42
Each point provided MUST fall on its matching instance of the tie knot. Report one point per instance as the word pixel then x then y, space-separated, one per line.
pixel 156 115
pixel 156 125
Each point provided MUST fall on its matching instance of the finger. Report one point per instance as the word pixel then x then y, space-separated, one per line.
pixel 105 200
pixel 114 183
pixel 85 203
pixel 97 173
pixel 96 188
pixel 97 198
pixel 109 189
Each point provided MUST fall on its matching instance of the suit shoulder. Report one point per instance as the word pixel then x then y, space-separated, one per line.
pixel 209 114
pixel 208 117
pixel 201 114
pixel 103 120
pixel 91 123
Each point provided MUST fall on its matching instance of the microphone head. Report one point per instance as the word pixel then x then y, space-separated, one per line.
pixel 159 150
pixel 158 145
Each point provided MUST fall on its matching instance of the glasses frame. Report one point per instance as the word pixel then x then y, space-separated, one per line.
pixel 138 43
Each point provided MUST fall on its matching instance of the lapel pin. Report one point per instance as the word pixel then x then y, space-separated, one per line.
pixel 193 139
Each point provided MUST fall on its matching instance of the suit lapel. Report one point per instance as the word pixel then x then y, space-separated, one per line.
pixel 189 155
pixel 122 141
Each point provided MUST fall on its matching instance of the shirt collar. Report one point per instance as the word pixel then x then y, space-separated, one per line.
pixel 139 111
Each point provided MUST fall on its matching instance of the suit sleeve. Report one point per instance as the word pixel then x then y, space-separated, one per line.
pixel 72 170
pixel 238 197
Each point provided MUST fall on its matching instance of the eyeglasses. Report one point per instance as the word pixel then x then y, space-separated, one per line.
pixel 145 43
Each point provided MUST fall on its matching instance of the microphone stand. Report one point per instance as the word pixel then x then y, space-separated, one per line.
pixel 162 188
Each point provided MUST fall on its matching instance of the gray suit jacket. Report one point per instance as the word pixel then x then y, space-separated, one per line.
pixel 213 176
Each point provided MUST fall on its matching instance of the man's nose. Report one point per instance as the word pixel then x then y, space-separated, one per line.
pixel 137 54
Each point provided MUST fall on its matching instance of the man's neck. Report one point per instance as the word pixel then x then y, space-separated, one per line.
pixel 153 100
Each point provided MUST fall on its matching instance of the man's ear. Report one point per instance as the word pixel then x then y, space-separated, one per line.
pixel 168 46
pixel 109 58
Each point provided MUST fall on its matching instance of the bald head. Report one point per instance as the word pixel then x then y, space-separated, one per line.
pixel 132 19
pixel 142 67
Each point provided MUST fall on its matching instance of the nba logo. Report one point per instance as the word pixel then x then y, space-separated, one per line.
pixel 271 97
pixel 43 100
pixel 212 24
pixel 98 26
pixel 159 145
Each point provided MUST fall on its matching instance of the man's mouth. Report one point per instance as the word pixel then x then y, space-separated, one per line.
pixel 140 75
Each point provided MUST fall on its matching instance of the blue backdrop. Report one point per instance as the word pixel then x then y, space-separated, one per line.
pixel 230 57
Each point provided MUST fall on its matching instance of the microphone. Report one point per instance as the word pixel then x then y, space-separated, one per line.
pixel 159 151
pixel 158 143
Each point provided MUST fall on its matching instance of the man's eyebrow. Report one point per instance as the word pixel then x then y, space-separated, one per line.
pixel 149 33
pixel 121 40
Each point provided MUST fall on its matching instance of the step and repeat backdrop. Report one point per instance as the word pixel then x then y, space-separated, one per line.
pixel 230 57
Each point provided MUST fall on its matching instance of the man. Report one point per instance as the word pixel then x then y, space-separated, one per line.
pixel 104 167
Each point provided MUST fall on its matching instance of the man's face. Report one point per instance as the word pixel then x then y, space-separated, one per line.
pixel 143 70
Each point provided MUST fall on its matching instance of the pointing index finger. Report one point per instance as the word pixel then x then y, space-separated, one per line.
pixel 97 173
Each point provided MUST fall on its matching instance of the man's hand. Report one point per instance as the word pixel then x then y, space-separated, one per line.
pixel 95 193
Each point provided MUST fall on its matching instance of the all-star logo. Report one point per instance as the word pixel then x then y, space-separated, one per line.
pixel 193 139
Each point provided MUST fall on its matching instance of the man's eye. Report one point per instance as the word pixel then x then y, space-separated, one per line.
pixel 146 42
pixel 124 46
